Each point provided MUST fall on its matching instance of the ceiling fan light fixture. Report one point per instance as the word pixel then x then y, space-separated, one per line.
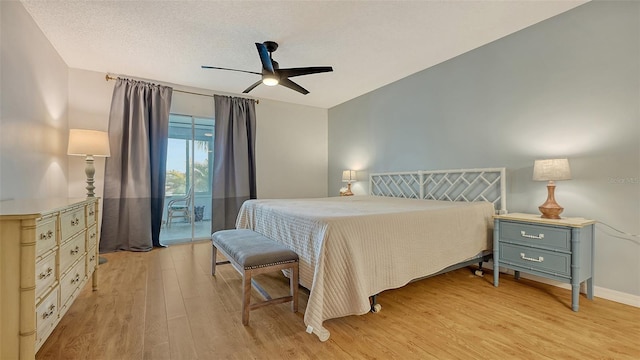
pixel 270 80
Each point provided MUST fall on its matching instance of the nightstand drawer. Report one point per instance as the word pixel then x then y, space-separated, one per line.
pixel 536 259
pixel 536 235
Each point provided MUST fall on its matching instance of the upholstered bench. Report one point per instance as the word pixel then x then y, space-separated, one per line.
pixel 251 254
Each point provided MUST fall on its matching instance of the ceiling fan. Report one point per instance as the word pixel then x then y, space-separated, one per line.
pixel 272 74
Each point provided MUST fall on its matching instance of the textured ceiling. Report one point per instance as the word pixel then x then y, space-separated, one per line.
pixel 369 44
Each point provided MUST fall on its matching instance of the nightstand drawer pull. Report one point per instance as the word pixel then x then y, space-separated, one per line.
pixel 524 234
pixel 539 259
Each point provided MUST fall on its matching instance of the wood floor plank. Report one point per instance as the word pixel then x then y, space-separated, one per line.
pixel 165 304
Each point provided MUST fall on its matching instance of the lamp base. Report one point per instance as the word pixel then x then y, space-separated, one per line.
pixel 347 192
pixel 550 209
pixel 90 171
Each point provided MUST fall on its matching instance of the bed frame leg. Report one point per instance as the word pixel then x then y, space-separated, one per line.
pixel 375 307
pixel 479 271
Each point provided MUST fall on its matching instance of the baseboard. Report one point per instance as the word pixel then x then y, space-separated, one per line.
pixel 604 293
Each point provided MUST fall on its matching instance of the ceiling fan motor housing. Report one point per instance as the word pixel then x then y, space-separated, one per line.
pixel 271 46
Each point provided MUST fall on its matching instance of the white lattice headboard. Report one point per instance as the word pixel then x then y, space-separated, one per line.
pixel 451 185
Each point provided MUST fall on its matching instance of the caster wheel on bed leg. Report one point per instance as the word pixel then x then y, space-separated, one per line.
pixel 376 308
pixel 479 272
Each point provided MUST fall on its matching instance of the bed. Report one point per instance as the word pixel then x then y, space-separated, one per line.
pixel 411 225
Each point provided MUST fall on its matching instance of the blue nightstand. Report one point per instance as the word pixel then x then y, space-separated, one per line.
pixel 560 250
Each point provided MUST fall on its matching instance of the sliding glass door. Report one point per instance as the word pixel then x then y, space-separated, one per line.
pixel 187 204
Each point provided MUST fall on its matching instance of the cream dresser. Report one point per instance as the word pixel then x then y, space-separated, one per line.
pixel 48 251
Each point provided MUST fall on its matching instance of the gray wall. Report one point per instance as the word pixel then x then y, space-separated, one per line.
pixel 565 87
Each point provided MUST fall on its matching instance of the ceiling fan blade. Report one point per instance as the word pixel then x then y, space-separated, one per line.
pixel 293 86
pixel 221 68
pixel 252 87
pixel 304 71
pixel 265 58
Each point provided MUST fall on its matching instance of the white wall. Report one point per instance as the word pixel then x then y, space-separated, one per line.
pixel 566 87
pixel 291 150
pixel 291 140
pixel 33 110
pixel 89 104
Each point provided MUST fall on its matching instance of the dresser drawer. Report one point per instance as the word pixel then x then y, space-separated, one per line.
pixel 46 316
pixel 536 259
pixel 71 281
pixel 46 237
pixel 72 251
pixel 92 237
pixel 536 235
pixel 92 260
pixel 91 214
pixel 71 222
pixel 45 274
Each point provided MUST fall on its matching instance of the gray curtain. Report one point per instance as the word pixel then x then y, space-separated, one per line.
pixel 135 172
pixel 234 165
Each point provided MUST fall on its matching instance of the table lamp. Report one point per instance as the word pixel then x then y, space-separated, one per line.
pixel 551 170
pixel 89 143
pixel 348 176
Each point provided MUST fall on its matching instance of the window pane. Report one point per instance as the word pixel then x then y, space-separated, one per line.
pixel 203 155
pixel 176 182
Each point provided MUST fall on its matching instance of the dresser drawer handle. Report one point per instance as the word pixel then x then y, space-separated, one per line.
pixel 92 212
pixel 45 274
pixel 92 236
pixel 539 259
pixel 74 251
pixel 52 309
pixel 75 222
pixel 75 280
pixel 46 236
pixel 524 234
pixel 93 257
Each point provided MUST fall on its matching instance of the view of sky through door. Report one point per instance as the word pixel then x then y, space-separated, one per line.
pixel 187 213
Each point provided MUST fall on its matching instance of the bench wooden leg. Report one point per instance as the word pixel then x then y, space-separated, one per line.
pixel 214 253
pixel 293 282
pixel 246 296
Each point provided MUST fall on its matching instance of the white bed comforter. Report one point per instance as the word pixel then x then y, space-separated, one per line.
pixel 353 247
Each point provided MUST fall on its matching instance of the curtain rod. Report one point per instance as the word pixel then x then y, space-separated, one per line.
pixel 107 77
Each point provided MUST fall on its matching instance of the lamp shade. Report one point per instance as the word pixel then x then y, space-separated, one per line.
pixel 88 142
pixel 551 169
pixel 349 176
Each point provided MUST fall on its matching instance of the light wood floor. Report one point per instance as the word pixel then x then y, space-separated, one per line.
pixel 164 304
